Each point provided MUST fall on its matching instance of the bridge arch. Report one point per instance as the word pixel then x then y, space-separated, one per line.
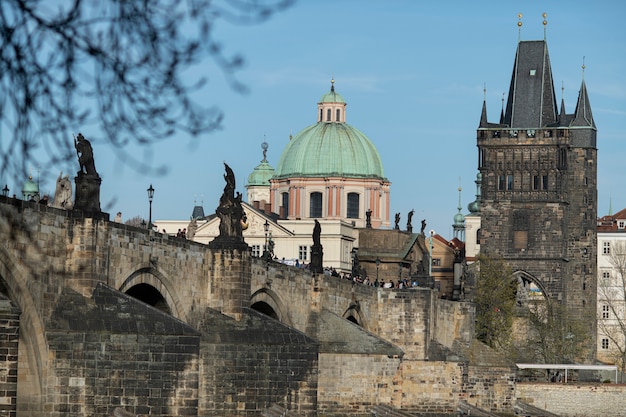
pixel 268 302
pixel 32 347
pixel 355 315
pixel 151 286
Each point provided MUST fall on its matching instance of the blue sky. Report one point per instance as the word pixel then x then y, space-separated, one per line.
pixel 412 73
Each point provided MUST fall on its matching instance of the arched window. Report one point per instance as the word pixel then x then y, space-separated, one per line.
pixel 321 115
pixel 353 206
pixel 316 205
pixel 285 203
pixel 338 115
pixel 328 114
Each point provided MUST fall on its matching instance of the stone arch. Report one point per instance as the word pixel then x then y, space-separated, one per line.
pixel 355 315
pixel 152 277
pixel 32 344
pixel 264 298
pixel 529 287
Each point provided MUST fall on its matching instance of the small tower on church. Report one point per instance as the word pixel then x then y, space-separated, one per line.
pixel 458 226
pixel 258 185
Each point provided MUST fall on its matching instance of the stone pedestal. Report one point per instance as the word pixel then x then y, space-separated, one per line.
pixel 317 256
pixel 87 193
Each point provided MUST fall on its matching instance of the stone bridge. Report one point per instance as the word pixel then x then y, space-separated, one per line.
pixel 75 340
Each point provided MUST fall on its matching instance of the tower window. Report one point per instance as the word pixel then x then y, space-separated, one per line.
pixel 509 182
pixel 606 248
pixel 353 206
pixel 328 114
pixel 500 182
pixel 321 115
pixel 605 311
pixel 338 119
pixel 521 227
pixel 316 205
pixel 544 182
pixel 605 343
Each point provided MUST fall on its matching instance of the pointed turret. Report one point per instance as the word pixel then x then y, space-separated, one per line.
pixel 582 115
pixel 531 102
pixel 483 116
pixel 562 114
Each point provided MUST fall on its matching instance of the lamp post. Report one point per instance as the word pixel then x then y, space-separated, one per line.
pixel 430 264
pixel 266 227
pixel 377 266
pixel 150 197
pixel 5 190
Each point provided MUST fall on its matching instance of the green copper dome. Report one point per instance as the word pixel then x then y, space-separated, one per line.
pixel 263 172
pixel 332 97
pixel 330 147
pixel 30 189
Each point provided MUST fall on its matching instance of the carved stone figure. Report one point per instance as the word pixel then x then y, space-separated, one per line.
pixel 368 218
pixel 85 156
pixel 397 226
pixel 423 226
pixel 63 193
pixel 317 252
pixel 409 226
pixel 230 213
pixel 317 232
pixel 191 229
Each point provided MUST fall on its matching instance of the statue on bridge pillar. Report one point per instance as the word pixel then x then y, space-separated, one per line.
pixel 317 252
pixel 87 179
pixel 231 215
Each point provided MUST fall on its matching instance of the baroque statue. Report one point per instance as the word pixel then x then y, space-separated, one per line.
pixel 230 211
pixel 85 156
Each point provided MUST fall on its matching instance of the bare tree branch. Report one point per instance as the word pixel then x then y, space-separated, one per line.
pixel 121 66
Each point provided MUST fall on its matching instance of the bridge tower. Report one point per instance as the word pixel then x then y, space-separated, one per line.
pixel 538 197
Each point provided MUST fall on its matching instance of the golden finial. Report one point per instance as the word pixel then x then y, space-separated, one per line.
pixel 583 67
pixel 332 83
pixel 519 25
pixel 545 23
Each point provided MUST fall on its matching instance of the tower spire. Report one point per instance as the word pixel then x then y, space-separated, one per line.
pixel 483 113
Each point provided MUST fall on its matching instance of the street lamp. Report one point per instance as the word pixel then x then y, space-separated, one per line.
pixel 150 197
pixel 430 265
pixel 377 266
pixel 5 190
pixel 266 227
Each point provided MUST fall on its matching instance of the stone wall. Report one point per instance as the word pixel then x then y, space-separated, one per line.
pixel 9 331
pixel 575 400
pixel 352 384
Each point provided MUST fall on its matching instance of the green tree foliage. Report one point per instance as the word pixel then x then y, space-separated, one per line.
pixel 494 296
pixel 551 335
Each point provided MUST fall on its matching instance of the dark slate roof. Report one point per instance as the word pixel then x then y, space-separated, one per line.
pixel 531 103
pixel 198 212
pixel 582 115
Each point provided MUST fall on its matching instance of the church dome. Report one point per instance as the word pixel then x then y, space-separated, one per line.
pixel 262 173
pixel 331 147
pixel 30 189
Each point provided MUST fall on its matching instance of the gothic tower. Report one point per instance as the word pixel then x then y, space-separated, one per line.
pixel 538 196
